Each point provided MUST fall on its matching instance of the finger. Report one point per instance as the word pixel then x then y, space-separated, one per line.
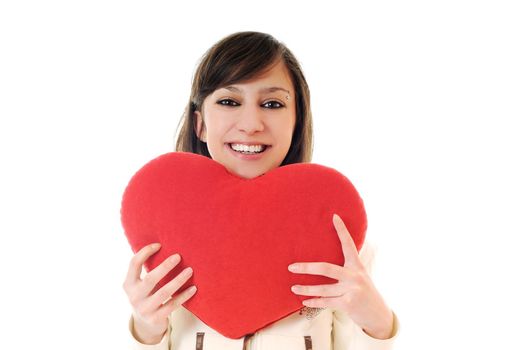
pixel 136 263
pixel 177 301
pixel 330 302
pixel 323 290
pixel 318 268
pixel 184 296
pixel 349 250
pixel 164 293
pixel 153 277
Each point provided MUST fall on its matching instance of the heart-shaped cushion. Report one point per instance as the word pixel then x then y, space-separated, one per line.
pixel 239 235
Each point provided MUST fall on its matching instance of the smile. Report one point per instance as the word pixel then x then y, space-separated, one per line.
pixel 247 149
pixel 248 152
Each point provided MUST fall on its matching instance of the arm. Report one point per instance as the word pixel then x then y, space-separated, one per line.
pixel 135 344
pixel 149 325
pixel 347 335
pixel 354 296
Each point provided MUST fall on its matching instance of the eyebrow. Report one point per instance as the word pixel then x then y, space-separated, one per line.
pixel 266 89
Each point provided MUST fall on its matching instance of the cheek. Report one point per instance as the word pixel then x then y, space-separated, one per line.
pixel 291 118
pixel 285 122
pixel 217 127
pixel 290 127
pixel 284 135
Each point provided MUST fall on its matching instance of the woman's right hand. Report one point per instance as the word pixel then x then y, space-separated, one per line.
pixel 151 309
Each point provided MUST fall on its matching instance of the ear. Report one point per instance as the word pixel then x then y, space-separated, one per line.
pixel 199 127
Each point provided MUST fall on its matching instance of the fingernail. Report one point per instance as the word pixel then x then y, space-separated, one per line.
pixel 175 258
pixel 294 289
pixel 293 267
pixel 188 271
pixel 193 289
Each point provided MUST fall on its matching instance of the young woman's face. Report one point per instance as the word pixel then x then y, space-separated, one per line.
pixel 248 127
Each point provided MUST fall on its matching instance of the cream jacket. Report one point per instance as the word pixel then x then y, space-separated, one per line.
pixel 306 329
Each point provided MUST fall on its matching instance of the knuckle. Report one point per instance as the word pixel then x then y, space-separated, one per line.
pixel 356 291
pixel 348 298
pixel 129 288
pixel 324 268
pixel 164 294
pixel 142 311
pixel 135 300
pixel 134 262
pixel 348 274
pixel 138 256
pixel 168 264
pixel 190 292
pixel 314 303
pixel 149 279
pixel 176 284
pixel 183 297
pixel 183 276
pixel 131 264
pixel 361 276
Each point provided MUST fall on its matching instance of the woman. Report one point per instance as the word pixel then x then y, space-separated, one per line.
pixel 249 109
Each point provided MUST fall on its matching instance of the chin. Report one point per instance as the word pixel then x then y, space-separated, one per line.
pixel 248 173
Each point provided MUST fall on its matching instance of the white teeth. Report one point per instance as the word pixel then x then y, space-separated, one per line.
pixel 247 149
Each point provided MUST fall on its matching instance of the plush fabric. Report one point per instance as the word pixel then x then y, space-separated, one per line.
pixel 239 235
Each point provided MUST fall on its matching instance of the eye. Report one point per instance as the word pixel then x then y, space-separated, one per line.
pixel 228 102
pixel 273 104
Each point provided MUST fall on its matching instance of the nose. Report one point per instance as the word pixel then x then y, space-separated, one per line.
pixel 251 120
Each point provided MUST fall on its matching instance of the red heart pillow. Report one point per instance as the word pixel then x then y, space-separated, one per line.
pixel 239 235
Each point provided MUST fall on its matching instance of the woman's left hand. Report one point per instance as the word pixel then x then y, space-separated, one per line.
pixel 354 293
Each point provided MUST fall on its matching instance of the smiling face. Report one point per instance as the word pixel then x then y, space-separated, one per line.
pixel 248 126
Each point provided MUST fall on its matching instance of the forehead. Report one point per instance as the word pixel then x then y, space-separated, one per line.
pixel 275 79
pixel 265 89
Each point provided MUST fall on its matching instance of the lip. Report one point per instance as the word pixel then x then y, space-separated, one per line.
pixel 248 143
pixel 247 156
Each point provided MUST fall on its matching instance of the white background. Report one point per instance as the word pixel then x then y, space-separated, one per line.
pixel 421 104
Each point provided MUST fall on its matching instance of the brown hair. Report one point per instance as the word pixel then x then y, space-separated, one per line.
pixel 240 57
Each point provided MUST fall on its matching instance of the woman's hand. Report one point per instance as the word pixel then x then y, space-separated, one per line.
pixel 353 294
pixel 151 310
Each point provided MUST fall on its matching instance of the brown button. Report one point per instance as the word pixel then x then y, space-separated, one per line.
pixel 199 340
pixel 246 340
pixel 308 342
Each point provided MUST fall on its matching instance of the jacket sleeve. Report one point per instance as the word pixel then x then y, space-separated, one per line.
pixel 136 345
pixel 346 334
